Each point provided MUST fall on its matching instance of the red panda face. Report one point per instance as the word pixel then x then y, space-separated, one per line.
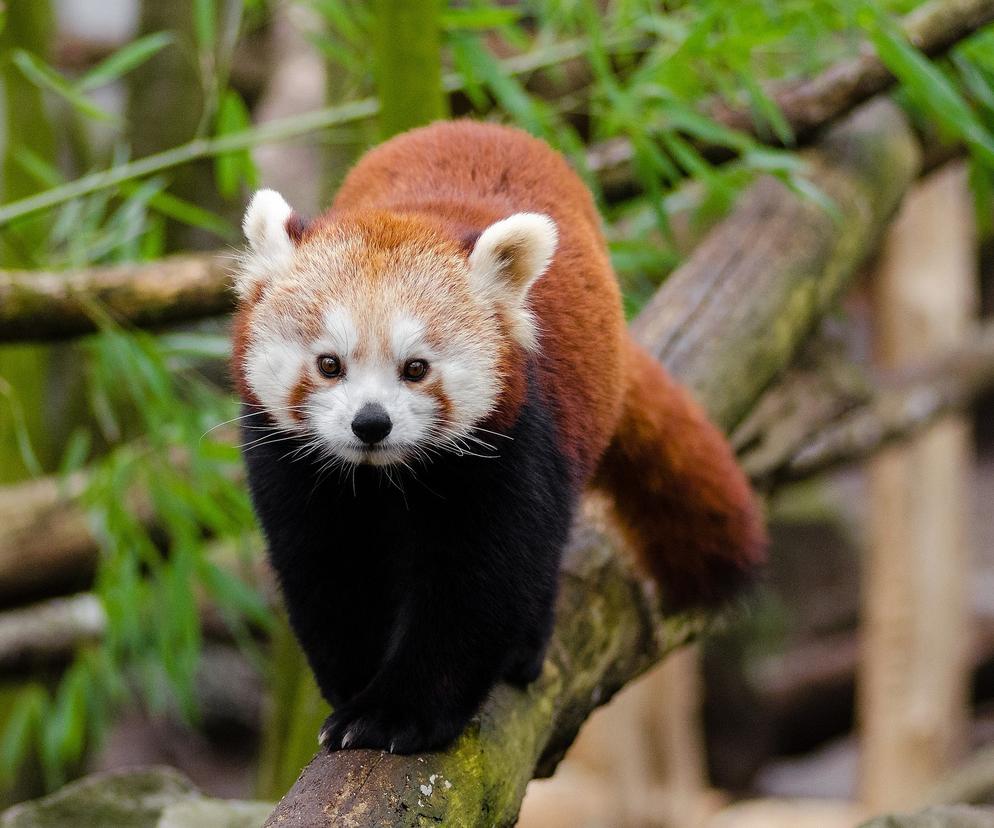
pixel 375 339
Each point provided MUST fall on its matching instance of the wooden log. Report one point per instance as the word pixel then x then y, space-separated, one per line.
pixel 45 539
pixel 825 415
pixel 758 283
pixel 51 306
pixel 643 753
pixel 49 630
pixel 914 678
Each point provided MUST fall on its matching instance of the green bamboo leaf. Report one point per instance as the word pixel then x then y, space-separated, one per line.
pixel 187 212
pixel 76 452
pixel 124 60
pixel 463 56
pixel 37 167
pixel 977 80
pixel 45 77
pixel 928 87
pixel 20 729
pixel 483 18
pixel 767 110
pixel 235 596
pixel 982 186
pixel 69 721
pixel 230 169
pixel 22 436
pixel 205 25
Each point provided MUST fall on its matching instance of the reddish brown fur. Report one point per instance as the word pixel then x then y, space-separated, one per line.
pixel 677 488
pixel 299 394
pixel 683 502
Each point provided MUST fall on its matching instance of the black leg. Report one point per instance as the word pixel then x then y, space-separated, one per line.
pixel 443 660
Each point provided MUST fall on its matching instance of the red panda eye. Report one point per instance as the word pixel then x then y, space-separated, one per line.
pixel 415 369
pixel 329 366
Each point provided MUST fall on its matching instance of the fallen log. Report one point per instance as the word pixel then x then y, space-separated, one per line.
pixel 49 306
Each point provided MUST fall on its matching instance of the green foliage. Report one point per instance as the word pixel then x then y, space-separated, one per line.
pixel 166 470
pixel 233 169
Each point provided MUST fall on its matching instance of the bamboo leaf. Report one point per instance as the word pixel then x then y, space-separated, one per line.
pixel 45 77
pixel 476 19
pixel 928 87
pixel 124 60
pixel 20 729
pixel 230 169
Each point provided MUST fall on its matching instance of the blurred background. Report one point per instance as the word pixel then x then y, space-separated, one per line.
pixel 138 622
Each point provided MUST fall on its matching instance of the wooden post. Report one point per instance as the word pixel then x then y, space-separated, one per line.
pixel 916 623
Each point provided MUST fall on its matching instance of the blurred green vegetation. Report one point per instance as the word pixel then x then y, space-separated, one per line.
pixel 85 184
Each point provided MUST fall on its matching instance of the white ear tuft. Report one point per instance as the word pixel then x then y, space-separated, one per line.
pixel 507 259
pixel 265 223
pixel 265 227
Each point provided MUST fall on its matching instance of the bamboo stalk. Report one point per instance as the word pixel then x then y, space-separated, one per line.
pixel 408 47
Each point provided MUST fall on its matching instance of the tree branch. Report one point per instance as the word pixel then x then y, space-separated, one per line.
pixel 820 419
pixel 725 323
pixel 48 306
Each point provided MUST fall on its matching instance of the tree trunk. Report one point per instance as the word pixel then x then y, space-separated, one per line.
pixel 915 673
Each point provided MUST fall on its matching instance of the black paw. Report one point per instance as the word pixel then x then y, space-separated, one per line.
pixel 358 724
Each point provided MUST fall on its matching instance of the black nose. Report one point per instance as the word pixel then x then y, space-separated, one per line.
pixel 371 423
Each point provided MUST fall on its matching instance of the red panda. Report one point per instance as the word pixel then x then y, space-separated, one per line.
pixel 432 372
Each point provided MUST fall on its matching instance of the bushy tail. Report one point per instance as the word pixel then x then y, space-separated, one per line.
pixel 682 501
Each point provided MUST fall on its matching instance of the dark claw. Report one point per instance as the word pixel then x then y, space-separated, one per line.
pixel 356 725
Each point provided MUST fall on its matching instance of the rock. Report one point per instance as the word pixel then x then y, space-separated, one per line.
pixel 949 816
pixel 154 797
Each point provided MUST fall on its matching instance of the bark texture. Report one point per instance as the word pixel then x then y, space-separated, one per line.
pixel 51 306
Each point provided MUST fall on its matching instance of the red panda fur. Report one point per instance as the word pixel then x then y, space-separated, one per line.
pixel 414 588
pixel 683 502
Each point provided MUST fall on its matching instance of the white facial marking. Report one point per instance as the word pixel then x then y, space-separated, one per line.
pixel 272 368
pixel 406 336
pixel 339 336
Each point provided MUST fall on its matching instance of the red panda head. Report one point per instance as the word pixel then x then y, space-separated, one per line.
pixel 373 335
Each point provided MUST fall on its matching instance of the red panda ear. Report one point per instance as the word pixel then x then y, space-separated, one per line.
pixel 507 259
pixel 272 229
